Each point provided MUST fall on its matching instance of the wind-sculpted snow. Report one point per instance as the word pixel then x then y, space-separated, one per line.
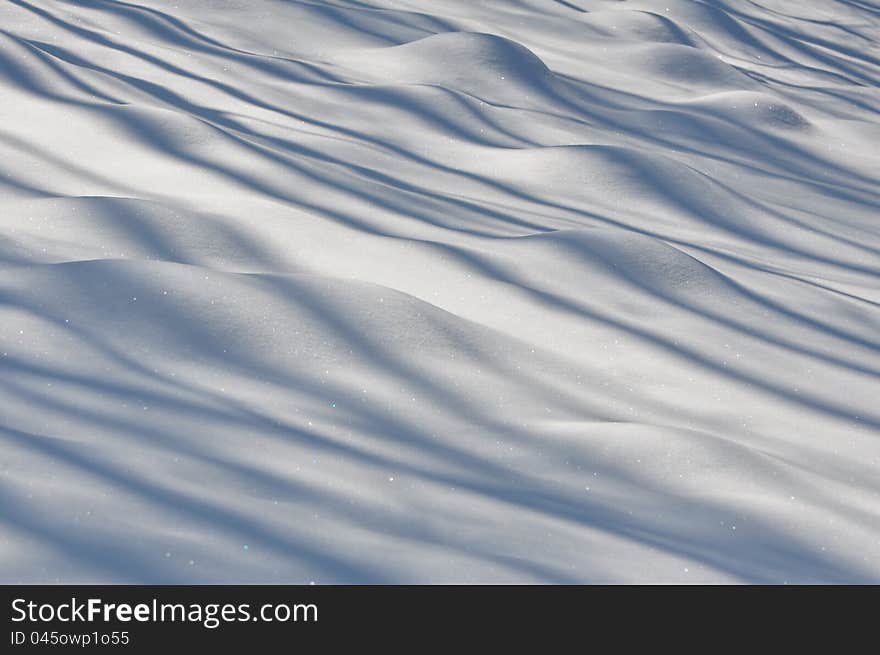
pixel 380 292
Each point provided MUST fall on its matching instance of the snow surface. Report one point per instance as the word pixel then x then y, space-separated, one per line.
pixel 386 291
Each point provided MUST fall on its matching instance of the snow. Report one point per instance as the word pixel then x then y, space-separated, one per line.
pixel 395 291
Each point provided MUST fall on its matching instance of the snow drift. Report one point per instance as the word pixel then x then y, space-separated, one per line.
pixel 381 292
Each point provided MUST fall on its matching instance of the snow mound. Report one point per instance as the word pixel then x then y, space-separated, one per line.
pixel 55 230
pixel 683 65
pixel 163 310
pixel 636 25
pixel 473 63
pixel 587 262
pixel 756 109
pixel 621 176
